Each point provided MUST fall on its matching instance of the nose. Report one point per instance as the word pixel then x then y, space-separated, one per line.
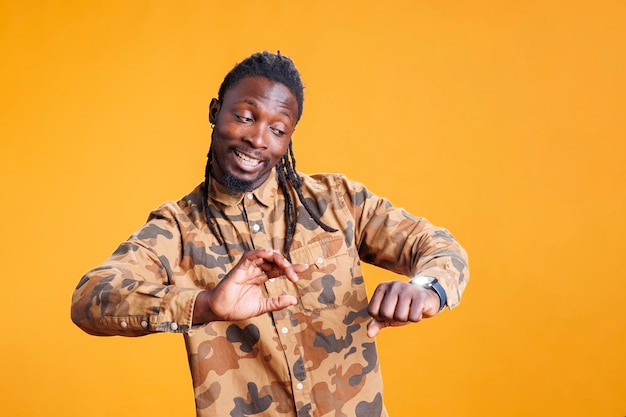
pixel 257 135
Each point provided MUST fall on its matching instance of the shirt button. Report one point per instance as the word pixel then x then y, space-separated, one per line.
pixel 256 227
pixel 320 260
pixel 250 196
pixel 284 330
pixel 123 324
pixel 299 386
pixel 173 326
pixel 144 324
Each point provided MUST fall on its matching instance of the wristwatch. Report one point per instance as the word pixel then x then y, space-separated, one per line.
pixel 433 284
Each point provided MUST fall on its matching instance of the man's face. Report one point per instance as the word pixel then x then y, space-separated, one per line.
pixel 253 127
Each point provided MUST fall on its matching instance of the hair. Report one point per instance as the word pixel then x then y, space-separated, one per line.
pixel 280 69
pixel 275 67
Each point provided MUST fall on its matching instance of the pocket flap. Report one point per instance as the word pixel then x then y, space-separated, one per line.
pixel 318 253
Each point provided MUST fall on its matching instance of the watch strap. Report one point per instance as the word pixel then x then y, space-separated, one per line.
pixel 433 284
pixel 438 288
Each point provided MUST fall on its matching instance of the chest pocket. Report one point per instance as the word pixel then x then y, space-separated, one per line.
pixel 328 281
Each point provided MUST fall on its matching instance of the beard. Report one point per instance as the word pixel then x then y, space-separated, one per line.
pixel 233 183
pixel 236 185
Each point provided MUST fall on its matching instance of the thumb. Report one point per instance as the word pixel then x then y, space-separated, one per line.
pixel 278 303
pixel 374 327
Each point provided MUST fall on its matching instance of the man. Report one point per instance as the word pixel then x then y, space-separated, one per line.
pixel 259 267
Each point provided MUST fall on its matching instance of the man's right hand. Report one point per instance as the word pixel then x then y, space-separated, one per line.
pixel 239 295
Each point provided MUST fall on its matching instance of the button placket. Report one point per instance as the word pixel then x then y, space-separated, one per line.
pixel 301 384
pixel 260 231
pixel 288 338
pixel 253 213
pixel 287 330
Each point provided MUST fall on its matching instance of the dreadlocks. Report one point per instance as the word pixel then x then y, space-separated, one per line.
pixel 279 69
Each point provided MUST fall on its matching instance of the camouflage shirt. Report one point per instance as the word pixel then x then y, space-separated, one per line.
pixel 311 359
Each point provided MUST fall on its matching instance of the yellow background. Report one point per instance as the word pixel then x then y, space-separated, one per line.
pixel 502 121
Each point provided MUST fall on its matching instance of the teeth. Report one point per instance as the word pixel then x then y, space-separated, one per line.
pixel 247 160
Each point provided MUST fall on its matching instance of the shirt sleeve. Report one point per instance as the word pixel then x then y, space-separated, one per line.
pixel 393 239
pixel 131 293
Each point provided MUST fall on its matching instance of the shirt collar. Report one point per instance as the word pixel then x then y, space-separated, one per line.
pixel 264 194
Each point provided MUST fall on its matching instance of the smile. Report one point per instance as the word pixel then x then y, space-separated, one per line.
pixel 246 160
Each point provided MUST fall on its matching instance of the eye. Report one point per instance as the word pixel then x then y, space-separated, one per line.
pixel 242 118
pixel 277 131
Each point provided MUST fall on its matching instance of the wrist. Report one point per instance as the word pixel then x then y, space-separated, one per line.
pixel 201 312
pixel 432 284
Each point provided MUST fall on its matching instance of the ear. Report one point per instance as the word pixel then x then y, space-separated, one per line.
pixel 214 108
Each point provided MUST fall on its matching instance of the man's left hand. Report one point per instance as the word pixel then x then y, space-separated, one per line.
pixel 396 303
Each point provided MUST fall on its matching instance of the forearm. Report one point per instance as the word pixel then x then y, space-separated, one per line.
pixel 138 289
pixel 110 302
pixel 395 240
pixel 437 254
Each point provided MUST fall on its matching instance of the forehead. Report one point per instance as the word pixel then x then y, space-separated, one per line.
pixel 261 91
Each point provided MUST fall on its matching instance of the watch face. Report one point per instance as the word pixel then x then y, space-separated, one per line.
pixel 424 281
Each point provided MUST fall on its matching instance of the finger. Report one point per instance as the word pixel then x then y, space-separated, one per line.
pixel 300 267
pixel 292 271
pixel 278 303
pixel 275 257
pixel 270 269
pixel 259 256
pixel 388 305
pixel 402 308
pixel 246 271
pixel 416 313
pixel 263 259
pixel 418 306
pixel 252 262
pixel 376 300
pixel 256 254
pixel 273 270
pixel 274 264
pixel 374 327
